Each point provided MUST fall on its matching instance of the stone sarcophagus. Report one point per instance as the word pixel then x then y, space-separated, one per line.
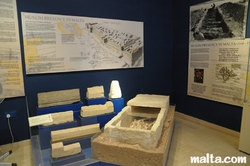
pixel 140 122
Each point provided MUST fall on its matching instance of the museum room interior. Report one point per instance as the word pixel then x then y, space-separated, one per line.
pixel 199 127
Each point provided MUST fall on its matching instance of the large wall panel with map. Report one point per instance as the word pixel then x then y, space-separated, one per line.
pixel 60 43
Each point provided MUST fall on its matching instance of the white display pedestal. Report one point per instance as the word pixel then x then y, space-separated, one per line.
pixel 244 144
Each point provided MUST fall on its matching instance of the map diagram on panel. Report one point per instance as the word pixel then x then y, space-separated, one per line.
pixel 228 73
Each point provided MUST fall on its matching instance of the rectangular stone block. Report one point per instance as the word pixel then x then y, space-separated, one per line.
pixel 149 100
pixel 95 92
pixel 74 133
pixel 55 98
pixel 61 117
pixel 98 109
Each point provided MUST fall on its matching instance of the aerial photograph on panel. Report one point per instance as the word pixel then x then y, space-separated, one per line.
pixel 219 19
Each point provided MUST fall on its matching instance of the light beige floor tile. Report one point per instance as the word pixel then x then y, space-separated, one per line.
pixel 190 139
pixel 21 153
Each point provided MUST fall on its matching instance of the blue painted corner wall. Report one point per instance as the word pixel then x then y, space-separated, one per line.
pixel 155 77
pixel 166 42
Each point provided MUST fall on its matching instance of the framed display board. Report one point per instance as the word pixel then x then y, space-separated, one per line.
pixel 59 43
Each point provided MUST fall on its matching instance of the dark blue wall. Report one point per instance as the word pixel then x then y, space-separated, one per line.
pixel 166 41
pixel 218 113
pixel 155 77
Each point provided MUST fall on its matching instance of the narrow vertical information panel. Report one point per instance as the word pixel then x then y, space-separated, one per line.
pixel 245 129
pixel 245 119
pixel 10 55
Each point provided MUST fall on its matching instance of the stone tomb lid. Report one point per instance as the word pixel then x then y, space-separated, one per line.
pixel 149 100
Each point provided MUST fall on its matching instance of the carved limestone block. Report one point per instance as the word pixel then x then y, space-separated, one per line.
pixel 149 100
pixel 152 109
pixel 99 109
pixel 55 98
pixel 59 150
pixel 61 117
pixel 74 133
pixel 95 92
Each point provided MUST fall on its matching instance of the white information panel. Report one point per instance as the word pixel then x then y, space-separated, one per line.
pixel 59 43
pixel 217 70
pixel 218 51
pixel 10 57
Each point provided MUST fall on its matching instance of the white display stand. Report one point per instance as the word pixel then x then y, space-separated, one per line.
pixel 244 144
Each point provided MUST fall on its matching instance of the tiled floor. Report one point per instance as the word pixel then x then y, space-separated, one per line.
pixel 189 139
pixel 21 153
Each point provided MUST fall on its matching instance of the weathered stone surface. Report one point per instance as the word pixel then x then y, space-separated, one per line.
pixel 59 150
pixel 97 109
pixel 55 98
pixel 61 117
pixel 95 92
pixel 149 100
pixel 74 133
